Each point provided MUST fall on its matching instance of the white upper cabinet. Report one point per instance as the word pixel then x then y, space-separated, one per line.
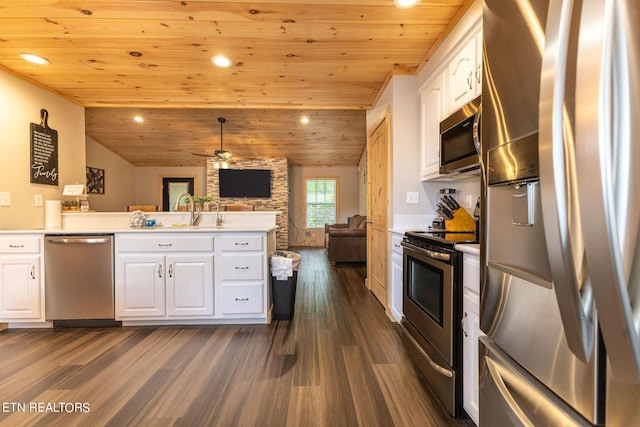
pixel 431 103
pixel 453 83
pixel 464 72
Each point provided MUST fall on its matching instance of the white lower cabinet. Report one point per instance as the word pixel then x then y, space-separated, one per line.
pixel 190 285
pixel 471 333
pixel 244 275
pixel 21 281
pixel 140 287
pixel 164 284
pixel 396 276
pixel 171 276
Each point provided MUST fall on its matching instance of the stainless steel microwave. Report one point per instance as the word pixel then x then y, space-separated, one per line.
pixel 460 140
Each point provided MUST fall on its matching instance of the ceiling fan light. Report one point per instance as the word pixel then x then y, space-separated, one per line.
pixel 405 4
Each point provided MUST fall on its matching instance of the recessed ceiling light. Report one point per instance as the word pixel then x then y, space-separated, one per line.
pixel 304 120
pixel 138 119
pixel 403 4
pixel 221 61
pixel 34 58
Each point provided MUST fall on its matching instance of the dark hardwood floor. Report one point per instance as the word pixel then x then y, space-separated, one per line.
pixel 339 362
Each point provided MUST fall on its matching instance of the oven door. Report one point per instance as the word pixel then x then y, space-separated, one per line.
pixel 428 300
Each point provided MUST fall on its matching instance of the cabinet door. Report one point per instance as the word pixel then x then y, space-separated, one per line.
pixel 470 392
pixel 471 333
pixel 431 97
pixel 140 285
pixel 478 71
pixel 396 285
pixel 20 288
pixel 190 285
pixel 462 83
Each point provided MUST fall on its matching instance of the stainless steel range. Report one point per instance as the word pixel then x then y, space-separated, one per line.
pixel 432 307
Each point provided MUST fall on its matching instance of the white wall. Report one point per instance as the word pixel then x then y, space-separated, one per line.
pixel 119 176
pixel 20 105
pixel 148 182
pixel 402 101
pixel 347 201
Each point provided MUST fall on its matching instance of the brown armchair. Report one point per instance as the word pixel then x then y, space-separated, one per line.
pixel 347 242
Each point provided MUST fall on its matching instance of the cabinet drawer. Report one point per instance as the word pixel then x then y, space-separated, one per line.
pixel 242 243
pixel 471 272
pixel 242 266
pixel 396 239
pixel 20 244
pixel 242 299
pixel 165 243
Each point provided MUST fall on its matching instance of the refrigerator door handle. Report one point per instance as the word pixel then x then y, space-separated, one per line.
pixel 558 187
pixel 608 159
pixel 512 409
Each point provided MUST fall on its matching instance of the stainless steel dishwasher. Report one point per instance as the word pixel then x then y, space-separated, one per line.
pixel 78 277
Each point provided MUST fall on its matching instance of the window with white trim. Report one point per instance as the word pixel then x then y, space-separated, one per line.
pixel 321 195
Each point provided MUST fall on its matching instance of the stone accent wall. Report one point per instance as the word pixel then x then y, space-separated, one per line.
pixel 279 200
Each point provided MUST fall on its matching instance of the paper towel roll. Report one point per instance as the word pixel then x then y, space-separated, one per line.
pixel 53 214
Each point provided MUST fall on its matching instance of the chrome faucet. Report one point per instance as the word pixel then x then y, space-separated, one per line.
pixel 219 219
pixel 195 216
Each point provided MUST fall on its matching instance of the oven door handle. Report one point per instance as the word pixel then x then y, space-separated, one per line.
pixel 439 369
pixel 442 256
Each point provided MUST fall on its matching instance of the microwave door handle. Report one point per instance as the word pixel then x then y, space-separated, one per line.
pixel 558 188
pixel 476 129
pixel 608 159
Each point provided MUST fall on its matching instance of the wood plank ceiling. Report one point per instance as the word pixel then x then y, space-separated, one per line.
pixel 326 59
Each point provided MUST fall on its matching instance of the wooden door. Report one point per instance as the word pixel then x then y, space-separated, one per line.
pixel 378 154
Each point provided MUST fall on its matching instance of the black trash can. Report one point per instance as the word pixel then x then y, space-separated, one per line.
pixel 284 280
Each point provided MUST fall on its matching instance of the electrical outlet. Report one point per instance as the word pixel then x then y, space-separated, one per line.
pixel 37 199
pixel 5 198
pixel 413 197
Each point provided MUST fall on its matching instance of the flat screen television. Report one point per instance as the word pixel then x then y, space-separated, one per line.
pixel 249 183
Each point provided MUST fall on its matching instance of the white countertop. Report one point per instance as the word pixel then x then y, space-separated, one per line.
pixel 172 222
pixel 469 248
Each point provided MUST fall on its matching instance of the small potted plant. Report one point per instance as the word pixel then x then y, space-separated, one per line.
pixel 201 202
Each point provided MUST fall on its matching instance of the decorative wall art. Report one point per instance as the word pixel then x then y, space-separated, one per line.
pixel 43 168
pixel 95 180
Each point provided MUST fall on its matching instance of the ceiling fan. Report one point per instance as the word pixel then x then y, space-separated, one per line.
pixel 222 156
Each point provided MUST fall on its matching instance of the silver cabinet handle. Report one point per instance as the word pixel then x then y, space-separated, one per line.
pixel 558 186
pixel 242 268
pixel 160 270
pixel 470 80
pixel 608 155
pixel 242 243
pixel 242 299
pixel 165 245
pixel 478 68
pixel 16 246
pixel 171 270
pixel 33 272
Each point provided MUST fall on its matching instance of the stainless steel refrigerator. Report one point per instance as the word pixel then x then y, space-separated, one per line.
pixel 560 301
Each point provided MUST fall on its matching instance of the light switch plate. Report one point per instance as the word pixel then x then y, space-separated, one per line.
pixel 5 198
pixel 413 197
pixel 37 199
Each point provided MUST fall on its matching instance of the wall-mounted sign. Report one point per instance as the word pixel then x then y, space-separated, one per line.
pixel 44 152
